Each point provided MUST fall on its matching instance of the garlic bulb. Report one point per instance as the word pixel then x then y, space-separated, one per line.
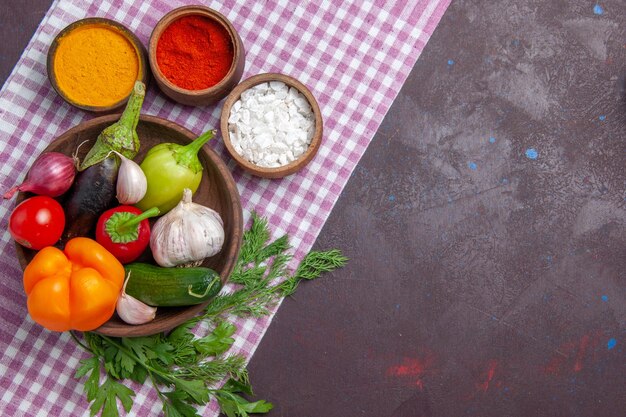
pixel 187 234
pixel 131 310
pixel 131 182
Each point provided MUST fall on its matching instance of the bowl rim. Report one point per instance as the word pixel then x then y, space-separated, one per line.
pixel 176 14
pixel 142 55
pixel 293 166
pixel 231 256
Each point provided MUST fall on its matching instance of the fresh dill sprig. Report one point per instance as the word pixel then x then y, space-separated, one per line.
pixel 183 367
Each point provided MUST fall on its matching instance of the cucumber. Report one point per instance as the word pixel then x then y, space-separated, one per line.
pixel 171 287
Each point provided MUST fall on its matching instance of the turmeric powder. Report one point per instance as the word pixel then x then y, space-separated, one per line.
pixel 95 65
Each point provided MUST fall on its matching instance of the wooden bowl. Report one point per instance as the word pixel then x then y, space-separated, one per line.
pixel 209 95
pixel 217 190
pixel 284 170
pixel 142 56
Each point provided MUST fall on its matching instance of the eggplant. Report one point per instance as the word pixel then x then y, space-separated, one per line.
pixel 92 193
pixel 121 136
pixel 94 189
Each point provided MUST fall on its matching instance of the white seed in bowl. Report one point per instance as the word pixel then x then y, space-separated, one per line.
pixel 271 125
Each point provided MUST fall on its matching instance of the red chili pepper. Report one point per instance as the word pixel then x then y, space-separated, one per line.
pixel 125 231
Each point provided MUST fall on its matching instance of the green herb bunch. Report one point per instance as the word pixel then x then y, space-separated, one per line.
pixel 185 369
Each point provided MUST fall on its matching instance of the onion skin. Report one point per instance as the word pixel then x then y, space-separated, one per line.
pixel 52 174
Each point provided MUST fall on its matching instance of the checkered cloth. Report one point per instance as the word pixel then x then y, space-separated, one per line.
pixel 353 55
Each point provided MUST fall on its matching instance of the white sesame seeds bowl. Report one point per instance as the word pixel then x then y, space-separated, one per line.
pixel 271 125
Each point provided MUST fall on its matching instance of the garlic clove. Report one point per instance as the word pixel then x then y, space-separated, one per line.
pixel 133 311
pixel 131 182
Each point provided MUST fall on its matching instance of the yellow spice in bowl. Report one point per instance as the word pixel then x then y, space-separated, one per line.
pixel 95 65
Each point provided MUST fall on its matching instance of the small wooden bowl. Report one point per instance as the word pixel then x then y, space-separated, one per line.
pixel 217 190
pixel 209 95
pixel 284 170
pixel 142 56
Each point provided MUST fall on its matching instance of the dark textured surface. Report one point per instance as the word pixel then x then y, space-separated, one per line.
pixel 19 19
pixel 482 282
pixel 477 276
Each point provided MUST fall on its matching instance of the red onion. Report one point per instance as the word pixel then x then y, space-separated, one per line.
pixel 52 174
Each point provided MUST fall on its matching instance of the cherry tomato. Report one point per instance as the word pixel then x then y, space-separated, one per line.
pixel 37 222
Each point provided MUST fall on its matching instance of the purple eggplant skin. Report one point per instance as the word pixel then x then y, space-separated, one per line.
pixel 93 192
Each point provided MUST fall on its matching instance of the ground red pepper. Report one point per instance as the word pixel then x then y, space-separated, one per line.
pixel 194 52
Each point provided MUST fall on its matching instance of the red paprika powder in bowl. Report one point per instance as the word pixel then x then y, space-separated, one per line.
pixel 196 55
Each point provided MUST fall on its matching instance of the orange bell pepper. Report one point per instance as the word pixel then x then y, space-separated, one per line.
pixel 76 288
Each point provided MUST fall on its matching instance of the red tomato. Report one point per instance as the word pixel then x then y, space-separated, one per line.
pixel 37 222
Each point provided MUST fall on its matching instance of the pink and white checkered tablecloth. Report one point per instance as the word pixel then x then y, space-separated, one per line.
pixel 354 55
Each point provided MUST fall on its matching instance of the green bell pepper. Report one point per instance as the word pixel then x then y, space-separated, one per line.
pixel 170 168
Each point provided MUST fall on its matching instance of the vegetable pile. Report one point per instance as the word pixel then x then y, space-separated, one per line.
pixel 89 218
pixel 89 223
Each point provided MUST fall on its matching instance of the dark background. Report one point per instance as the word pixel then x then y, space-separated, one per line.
pixel 485 228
